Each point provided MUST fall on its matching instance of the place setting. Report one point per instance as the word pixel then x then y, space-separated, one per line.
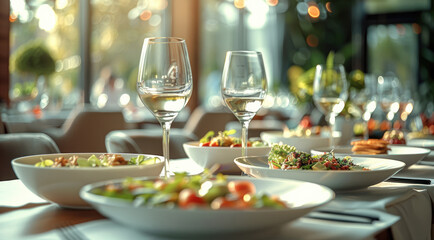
pixel 227 119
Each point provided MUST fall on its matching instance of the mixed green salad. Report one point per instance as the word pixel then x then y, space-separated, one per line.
pixel 104 160
pixel 224 139
pixel 197 191
pixel 283 156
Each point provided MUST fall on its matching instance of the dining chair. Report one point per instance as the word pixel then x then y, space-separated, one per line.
pixel 2 126
pixel 14 145
pixel 85 130
pixel 147 141
pixel 203 120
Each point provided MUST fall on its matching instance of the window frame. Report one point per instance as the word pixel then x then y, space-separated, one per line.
pixel 185 24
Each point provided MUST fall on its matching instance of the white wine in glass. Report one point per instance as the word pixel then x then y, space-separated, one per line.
pixel 366 101
pixel 244 87
pixel 330 91
pixel 165 82
pixel 388 91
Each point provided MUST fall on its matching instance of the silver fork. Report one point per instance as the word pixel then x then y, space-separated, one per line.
pixel 70 232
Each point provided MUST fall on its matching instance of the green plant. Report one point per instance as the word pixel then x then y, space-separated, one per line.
pixel 301 84
pixel 31 59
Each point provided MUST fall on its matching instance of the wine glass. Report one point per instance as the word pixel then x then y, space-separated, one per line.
pixel 164 82
pixel 366 100
pixel 388 91
pixel 244 87
pixel 406 106
pixel 330 91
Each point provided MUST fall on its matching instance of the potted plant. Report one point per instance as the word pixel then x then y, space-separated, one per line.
pixel 30 62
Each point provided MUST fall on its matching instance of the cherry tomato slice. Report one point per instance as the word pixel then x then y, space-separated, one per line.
pixel 188 198
pixel 204 144
pixel 241 188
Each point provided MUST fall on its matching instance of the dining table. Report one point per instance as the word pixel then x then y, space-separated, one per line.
pixel 388 210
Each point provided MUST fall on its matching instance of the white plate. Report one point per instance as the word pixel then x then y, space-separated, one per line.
pixel 305 144
pixel 206 157
pixel 423 143
pixel 62 185
pixel 302 196
pixel 380 170
pixel 408 155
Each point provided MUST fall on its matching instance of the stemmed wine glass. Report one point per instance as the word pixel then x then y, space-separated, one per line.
pixel 366 100
pixel 388 91
pixel 164 82
pixel 330 91
pixel 406 106
pixel 244 87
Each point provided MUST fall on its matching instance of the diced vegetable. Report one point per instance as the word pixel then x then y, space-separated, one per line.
pixel 283 156
pixel 183 191
pixel 105 160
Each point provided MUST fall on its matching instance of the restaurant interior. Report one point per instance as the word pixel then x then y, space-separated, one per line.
pixel 287 82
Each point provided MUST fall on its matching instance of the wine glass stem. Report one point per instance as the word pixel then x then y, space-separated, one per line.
pixel 166 130
pixel 331 120
pixel 365 130
pixel 244 133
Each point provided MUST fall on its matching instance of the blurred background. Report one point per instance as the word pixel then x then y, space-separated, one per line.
pixel 61 53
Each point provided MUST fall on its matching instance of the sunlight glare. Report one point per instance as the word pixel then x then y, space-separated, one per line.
pixel 47 17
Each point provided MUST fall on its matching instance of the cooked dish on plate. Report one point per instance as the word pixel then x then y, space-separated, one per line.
pixel 199 191
pixel 370 146
pixel 224 139
pixel 283 156
pixel 104 160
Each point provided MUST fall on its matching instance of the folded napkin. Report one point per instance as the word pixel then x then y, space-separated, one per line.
pixel 412 205
pixel 15 194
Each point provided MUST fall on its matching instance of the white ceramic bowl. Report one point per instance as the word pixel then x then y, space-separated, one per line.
pixel 206 157
pixel 406 154
pixel 305 144
pixel 380 170
pixel 423 143
pixel 302 197
pixel 62 185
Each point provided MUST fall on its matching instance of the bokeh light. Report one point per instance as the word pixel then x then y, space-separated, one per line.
pixel 416 28
pixel 239 4
pixel 145 15
pixel 313 11
pixel 312 40
pixel 328 7
pixel 47 17
pixel 272 2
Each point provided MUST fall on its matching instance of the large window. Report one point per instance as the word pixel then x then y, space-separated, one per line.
pixel 116 28
pixel 240 25
pixel 53 25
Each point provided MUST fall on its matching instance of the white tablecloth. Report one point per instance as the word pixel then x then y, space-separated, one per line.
pixel 406 208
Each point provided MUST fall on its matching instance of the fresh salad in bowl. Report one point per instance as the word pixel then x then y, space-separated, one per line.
pixel 224 139
pixel 394 137
pixel 305 129
pixel 104 160
pixel 198 191
pixel 285 157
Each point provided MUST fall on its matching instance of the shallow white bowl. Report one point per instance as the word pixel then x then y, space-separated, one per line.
pixel 62 185
pixel 380 170
pixel 302 197
pixel 423 143
pixel 408 155
pixel 305 144
pixel 206 157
